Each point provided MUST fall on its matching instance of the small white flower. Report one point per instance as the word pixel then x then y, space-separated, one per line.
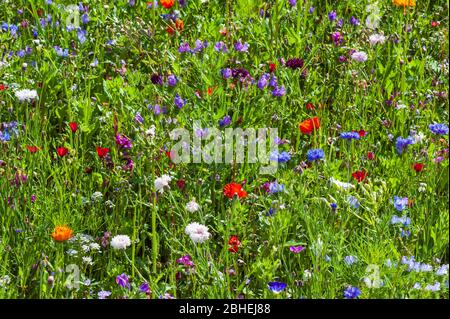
pixel 419 137
pixel 5 280
pixel 94 246
pixel 422 187
pixel 72 252
pixel 109 204
pixel 26 95
pixel 151 131
pixel 87 260
pixel 192 206
pixel 120 242
pixel 162 182
pixel 96 197
pixel 85 248
pixel 197 232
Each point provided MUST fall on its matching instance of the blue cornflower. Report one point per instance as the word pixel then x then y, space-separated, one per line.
pixel 273 81
pixel 405 221
pixel 4 136
pixel 60 52
pixel 277 286
pixel 400 203
pixel 352 293
pixel 437 128
pixel 138 118
pixel 85 18
pixel 179 102
pixel 282 157
pixel 333 206
pixel 226 120
pixel 311 9
pixel 350 135
pixel 274 187
pixel 81 35
pixel 221 47
pixel 315 154
pixel 401 144
pixel 353 202
pixel 350 260
pixel 21 53
pixel 271 212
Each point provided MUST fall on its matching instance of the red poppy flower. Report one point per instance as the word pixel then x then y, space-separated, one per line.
pixel 167 3
pixel 102 151
pixel 359 175
pixel 62 151
pixel 73 126
pixel 272 67
pixel 370 155
pixel 32 149
pixel 210 91
pixel 234 243
pixel 418 167
pixel 3 87
pixel 234 189
pixel 309 125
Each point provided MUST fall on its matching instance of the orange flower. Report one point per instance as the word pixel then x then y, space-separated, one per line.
pixel 62 233
pixel 405 3
pixel 167 3
pixel 179 25
pixel 309 125
pixel 234 189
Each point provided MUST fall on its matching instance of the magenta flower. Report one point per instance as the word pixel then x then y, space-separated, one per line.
pixel 296 249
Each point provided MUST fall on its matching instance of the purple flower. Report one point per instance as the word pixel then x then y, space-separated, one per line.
pixel 354 21
pixel 103 294
pixel 277 286
pixel 123 142
pixel 226 73
pixel 145 288
pixel 311 9
pixel 350 260
pixel 283 157
pixel 332 15
pixel 274 187
pixel 336 37
pixel 295 63
pixel 279 91
pixel 123 281
pixel 172 80
pixel 156 79
pixel 296 249
pixel 241 47
pixel 262 82
pixel 199 46
pixel 359 56
pixel 352 293
pixel 179 102
pixel 138 118
pixel 85 18
pixel 293 2
pixel 273 81
pixel 226 120
pixel 186 260
pixel 221 47
pixel 184 47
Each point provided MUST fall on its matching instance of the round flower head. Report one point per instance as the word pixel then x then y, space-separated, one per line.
pixel 359 56
pixel 352 293
pixel 197 232
pixel 315 154
pixel 277 286
pixel 234 189
pixel 62 233
pixel 438 129
pixel 192 206
pixel 120 242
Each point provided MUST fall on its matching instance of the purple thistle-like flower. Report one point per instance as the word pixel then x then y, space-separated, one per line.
pixel 221 47
pixel 311 9
pixel 295 63
pixel 273 81
pixel 226 73
pixel 123 142
pixel 277 286
pixel 186 260
pixel 138 118
pixel 184 47
pixel 352 293
pixel 354 21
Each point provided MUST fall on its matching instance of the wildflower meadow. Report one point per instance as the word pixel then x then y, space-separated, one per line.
pixel 219 149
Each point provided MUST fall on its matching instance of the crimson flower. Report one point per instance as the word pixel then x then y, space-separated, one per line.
pixel 73 126
pixel 62 151
pixel 32 149
pixel 359 175
pixel 418 167
pixel 102 151
pixel 234 243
